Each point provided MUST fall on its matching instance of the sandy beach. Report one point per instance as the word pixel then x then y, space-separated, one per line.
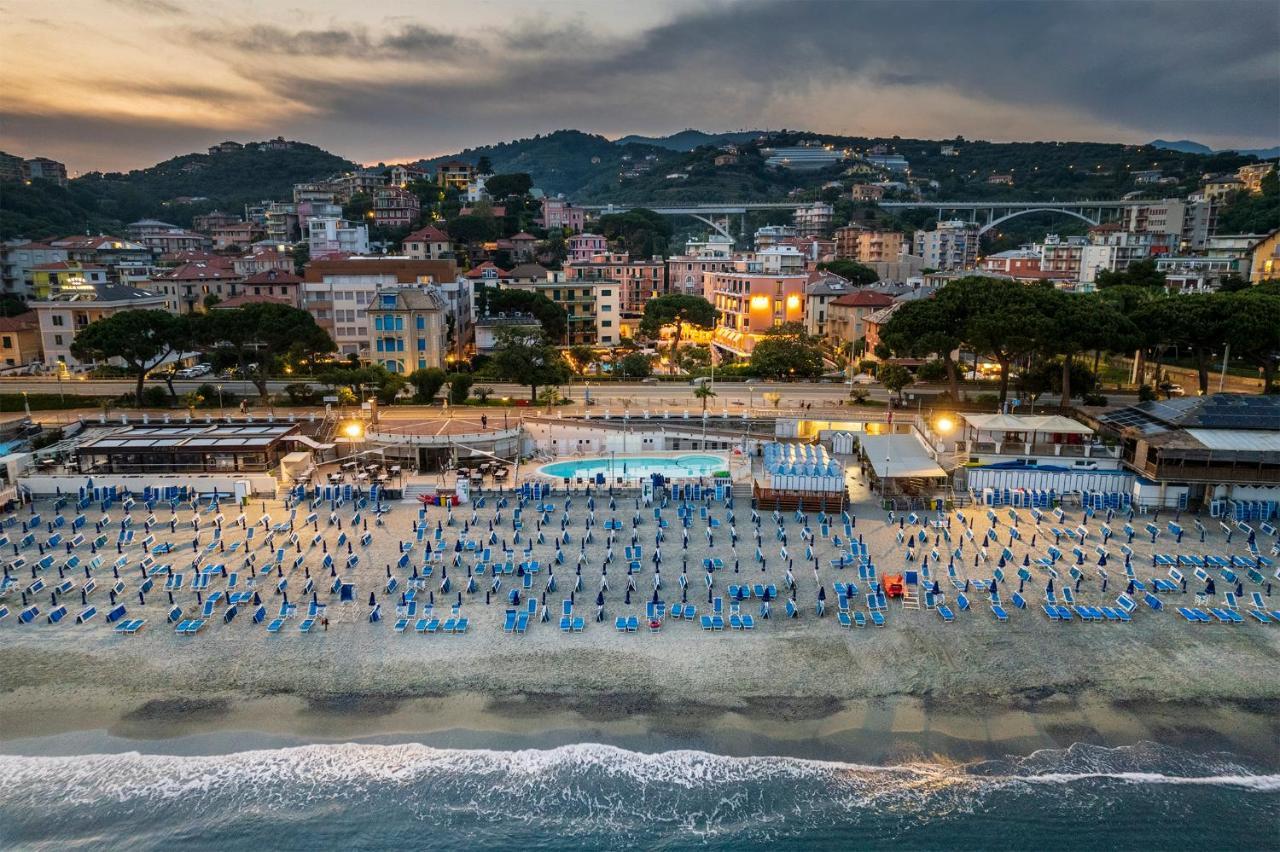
pixel 804 687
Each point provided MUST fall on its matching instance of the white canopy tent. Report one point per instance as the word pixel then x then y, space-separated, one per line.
pixel 1043 423
pixel 899 457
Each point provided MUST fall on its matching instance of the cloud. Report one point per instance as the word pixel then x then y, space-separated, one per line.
pixel 1127 71
pixel 150 7
pixel 410 41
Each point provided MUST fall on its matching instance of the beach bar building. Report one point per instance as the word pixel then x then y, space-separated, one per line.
pixel 167 448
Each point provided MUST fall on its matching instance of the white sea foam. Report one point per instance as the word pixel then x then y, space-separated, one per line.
pixel 351 769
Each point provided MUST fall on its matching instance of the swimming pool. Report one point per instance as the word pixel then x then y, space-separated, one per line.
pixel 637 467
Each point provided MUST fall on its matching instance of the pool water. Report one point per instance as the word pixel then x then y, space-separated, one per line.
pixel 634 467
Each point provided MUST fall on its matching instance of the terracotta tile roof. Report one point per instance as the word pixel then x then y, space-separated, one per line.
pixel 478 272
pixel 429 234
pixel 273 276
pixel 22 322
pixel 249 299
pixel 202 271
pixel 864 299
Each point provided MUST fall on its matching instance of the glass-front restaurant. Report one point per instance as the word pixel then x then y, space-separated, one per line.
pixel 190 448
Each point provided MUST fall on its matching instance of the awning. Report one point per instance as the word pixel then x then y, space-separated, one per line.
pixel 899 457
pixel 1049 423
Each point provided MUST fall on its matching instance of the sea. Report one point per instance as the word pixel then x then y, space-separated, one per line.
pixel 601 797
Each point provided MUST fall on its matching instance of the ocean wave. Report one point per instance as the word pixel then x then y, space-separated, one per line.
pixel 578 791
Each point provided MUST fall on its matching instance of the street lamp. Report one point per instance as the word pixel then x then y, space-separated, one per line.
pixel 221 412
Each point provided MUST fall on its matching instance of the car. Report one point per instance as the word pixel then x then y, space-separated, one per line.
pixel 700 380
pixel 864 379
pixel 649 381
pixel 1174 390
pixel 188 373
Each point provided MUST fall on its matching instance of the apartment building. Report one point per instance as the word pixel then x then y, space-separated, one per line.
pixel 751 300
pixel 949 246
pixel 868 245
pixel 338 292
pixel 685 271
pixel 18 260
pixel 63 315
pixel 558 213
pixel 583 247
pixel 823 289
pixel 813 220
pixel 1061 255
pixel 1113 250
pixel 1187 223
pixel 395 208
pixel 163 238
pixel 456 174
pixel 639 280
pixel 846 315
pixel 409 328
pixel 193 287
pixel 336 236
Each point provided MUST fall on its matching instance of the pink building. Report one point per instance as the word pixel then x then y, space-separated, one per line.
pixel 751 301
pixel 558 213
pixel 583 247
pixel 638 280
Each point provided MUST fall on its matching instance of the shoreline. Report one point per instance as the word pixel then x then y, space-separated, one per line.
pixel 62 716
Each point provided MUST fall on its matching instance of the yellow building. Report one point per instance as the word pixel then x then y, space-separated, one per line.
pixel 20 340
pixel 49 279
pixel 1264 258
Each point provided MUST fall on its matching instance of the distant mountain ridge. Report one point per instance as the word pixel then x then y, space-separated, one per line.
pixel 1186 146
pixel 687 140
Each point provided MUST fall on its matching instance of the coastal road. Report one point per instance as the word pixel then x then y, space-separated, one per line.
pixel 676 395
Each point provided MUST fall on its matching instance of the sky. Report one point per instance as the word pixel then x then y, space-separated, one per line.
pixel 120 84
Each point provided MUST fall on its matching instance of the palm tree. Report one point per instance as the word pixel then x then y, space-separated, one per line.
pixel 704 393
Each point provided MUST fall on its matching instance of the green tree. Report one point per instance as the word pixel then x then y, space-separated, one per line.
pixel 676 309
pixel 1253 330
pixel 786 352
pixel 636 365
pixel 549 396
pixel 1140 273
pixel 894 377
pixel 460 387
pixel 141 339
pixel 851 271
pixel 1253 214
pixel 1080 323
pixel 641 232
pixel 553 318
pixel 524 356
pixel 927 327
pixel 1002 318
pixel 473 228
pixel 704 393
pixel 257 337
pixel 582 358
pixel 501 186
pixel 427 383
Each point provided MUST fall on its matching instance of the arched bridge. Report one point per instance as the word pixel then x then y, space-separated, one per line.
pixel 992 213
